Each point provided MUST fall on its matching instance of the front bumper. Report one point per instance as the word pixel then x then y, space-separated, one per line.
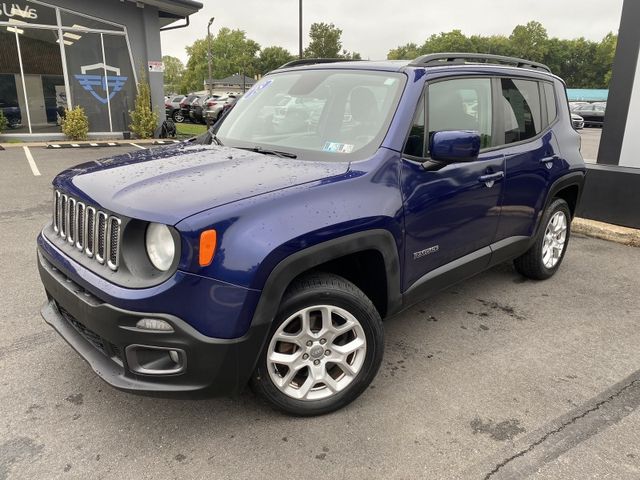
pixel 101 333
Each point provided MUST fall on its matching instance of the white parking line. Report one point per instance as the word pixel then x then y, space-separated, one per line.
pixel 141 148
pixel 32 162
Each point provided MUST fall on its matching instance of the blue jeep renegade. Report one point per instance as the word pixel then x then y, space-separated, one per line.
pixel 268 250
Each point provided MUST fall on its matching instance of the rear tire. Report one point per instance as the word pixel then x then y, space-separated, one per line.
pixel 544 257
pixel 324 349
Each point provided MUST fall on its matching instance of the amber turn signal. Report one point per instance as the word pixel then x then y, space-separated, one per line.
pixel 208 240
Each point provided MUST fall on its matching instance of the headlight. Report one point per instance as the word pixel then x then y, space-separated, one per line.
pixel 160 246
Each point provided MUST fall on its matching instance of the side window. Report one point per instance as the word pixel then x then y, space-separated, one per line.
pixel 461 104
pixel 415 140
pixel 550 98
pixel 522 109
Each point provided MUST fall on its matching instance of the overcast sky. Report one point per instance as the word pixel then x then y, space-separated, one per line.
pixel 372 28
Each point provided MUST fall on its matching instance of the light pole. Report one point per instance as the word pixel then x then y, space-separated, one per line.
pixel 300 29
pixel 209 53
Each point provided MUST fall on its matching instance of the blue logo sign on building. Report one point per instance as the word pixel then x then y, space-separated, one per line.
pixel 102 87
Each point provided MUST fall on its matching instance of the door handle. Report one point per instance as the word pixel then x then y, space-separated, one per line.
pixel 491 177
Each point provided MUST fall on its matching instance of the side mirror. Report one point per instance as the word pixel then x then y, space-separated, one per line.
pixel 452 146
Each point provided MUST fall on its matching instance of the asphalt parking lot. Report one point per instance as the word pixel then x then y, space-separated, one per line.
pixel 590 143
pixel 496 378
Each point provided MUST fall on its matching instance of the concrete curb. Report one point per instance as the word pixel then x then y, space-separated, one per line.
pixel 606 231
pixel 150 141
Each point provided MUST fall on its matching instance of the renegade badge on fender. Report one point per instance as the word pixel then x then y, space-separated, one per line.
pixel 268 250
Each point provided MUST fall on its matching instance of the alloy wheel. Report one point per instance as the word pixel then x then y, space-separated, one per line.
pixel 316 352
pixel 554 239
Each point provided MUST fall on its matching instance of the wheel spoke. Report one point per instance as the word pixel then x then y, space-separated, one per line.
pixel 354 345
pixel 306 387
pixel 287 359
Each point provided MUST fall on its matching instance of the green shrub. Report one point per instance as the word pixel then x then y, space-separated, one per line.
pixel 143 119
pixel 3 122
pixel 75 124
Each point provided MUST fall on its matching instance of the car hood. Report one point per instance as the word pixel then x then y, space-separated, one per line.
pixel 169 184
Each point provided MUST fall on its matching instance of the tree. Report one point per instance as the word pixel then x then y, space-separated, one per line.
pixel 143 119
pixel 453 41
pixel 325 41
pixel 404 52
pixel 272 58
pixel 231 52
pixel 529 41
pixel 605 53
pixel 173 70
pixel 582 63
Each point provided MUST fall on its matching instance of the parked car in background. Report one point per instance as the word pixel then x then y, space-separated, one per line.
pixel 12 114
pixel 198 106
pixel 593 114
pixel 172 106
pixel 577 121
pixel 216 107
pixel 185 108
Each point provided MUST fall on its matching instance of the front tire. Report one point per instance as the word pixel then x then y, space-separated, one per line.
pixel 544 257
pixel 324 349
pixel 178 117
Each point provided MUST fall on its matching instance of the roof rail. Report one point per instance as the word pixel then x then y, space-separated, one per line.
pixel 440 59
pixel 313 61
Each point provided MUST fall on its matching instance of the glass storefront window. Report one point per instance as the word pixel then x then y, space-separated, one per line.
pixel 37 86
pixel 87 79
pixel 43 78
pixel 122 85
pixel 11 92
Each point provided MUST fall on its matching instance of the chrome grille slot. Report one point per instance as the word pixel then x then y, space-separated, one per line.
pixel 56 215
pixel 80 235
pixel 113 242
pixel 101 236
pixel 71 220
pixel 89 231
pixel 94 233
pixel 63 216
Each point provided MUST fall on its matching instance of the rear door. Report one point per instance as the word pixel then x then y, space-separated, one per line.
pixel 532 158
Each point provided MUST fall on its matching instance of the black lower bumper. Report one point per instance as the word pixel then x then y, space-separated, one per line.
pixel 102 333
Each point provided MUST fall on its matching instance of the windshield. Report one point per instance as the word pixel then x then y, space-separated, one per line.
pixel 315 114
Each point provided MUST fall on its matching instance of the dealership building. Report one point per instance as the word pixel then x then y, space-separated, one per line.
pixel 59 54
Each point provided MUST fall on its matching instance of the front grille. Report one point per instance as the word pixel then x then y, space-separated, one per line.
pixel 92 231
pixel 105 346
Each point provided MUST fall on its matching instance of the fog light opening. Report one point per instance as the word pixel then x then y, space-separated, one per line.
pixel 149 360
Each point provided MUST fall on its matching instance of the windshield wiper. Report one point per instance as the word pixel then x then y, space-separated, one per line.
pixel 207 138
pixel 265 151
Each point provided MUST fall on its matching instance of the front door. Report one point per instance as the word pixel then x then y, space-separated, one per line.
pixel 451 211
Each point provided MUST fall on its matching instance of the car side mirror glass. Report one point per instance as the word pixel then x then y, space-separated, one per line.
pixel 452 146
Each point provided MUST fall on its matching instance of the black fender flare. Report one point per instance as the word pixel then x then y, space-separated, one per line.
pixel 575 178
pixel 304 260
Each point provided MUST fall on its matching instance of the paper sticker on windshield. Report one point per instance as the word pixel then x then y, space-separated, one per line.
pixel 337 147
pixel 390 81
pixel 257 88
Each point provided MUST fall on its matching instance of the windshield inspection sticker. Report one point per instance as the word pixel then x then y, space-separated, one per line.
pixel 337 147
pixel 257 88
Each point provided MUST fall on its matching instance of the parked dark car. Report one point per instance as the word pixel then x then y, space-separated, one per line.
pixel 593 114
pixel 270 256
pixel 185 109
pixel 12 114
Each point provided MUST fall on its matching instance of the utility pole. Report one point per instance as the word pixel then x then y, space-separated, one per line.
pixel 300 30
pixel 209 53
